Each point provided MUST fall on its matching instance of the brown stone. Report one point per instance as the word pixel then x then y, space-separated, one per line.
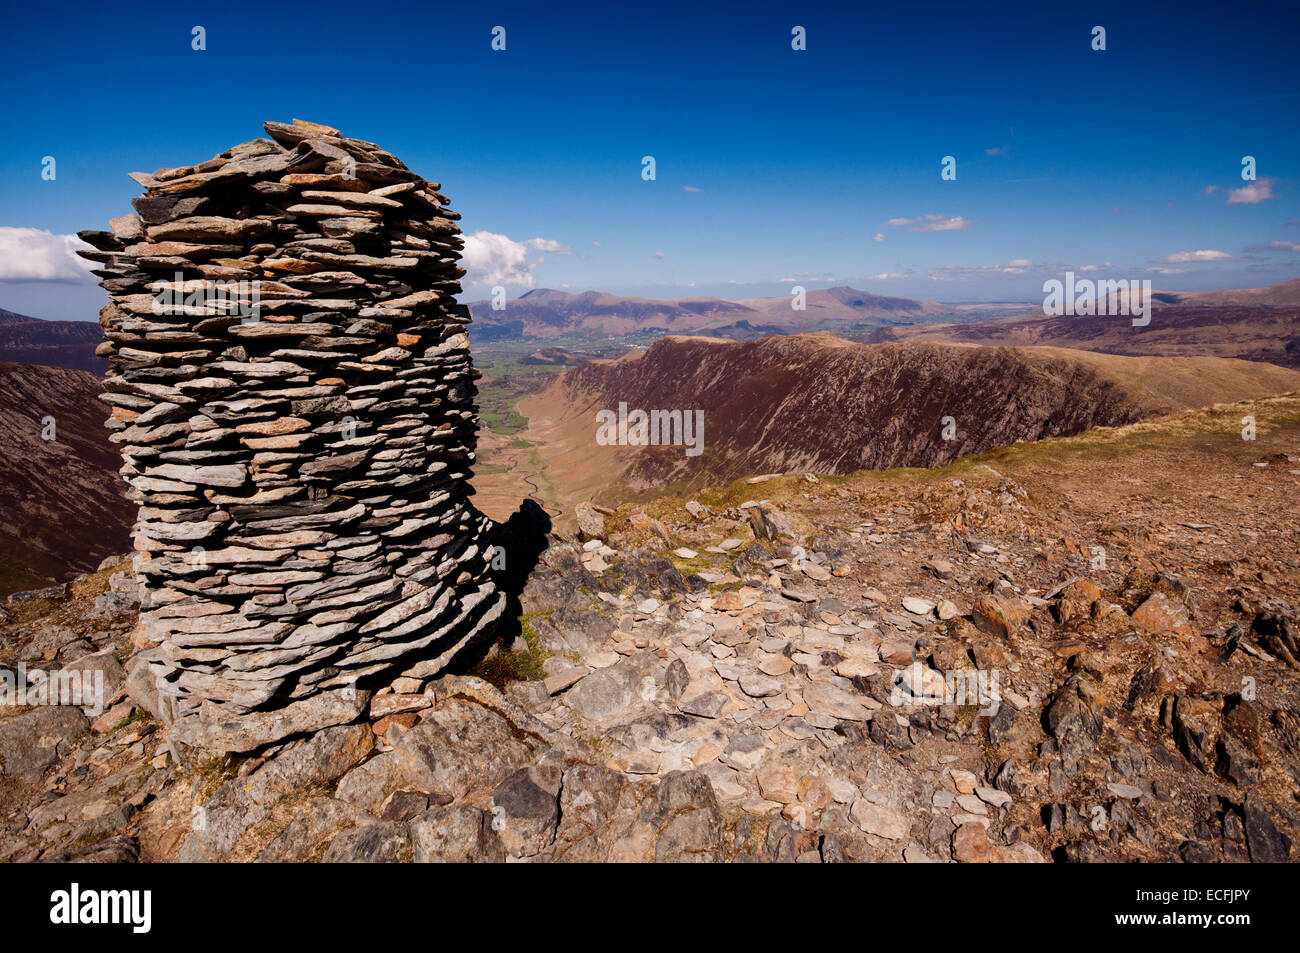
pixel 728 602
pixel 1001 616
pixel 382 706
pixel 402 722
pixel 777 782
pixel 1076 601
pixel 970 844
pixel 1161 615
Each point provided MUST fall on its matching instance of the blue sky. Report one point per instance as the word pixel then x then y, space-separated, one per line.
pixel 773 166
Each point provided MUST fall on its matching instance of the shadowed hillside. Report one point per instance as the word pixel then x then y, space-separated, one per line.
pixel 822 404
pixel 61 503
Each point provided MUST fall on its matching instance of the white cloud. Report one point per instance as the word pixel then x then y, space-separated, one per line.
pixel 550 245
pixel 1252 194
pixel 659 254
pixel 691 188
pixel 1166 271
pixel 1204 254
pixel 884 276
pixel 33 254
pixel 941 223
pixel 959 272
pixel 595 245
pixel 1211 189
pixel 809 276
pixel 1285 246
pixel 492 259
pixel 879 237
pixel 932 223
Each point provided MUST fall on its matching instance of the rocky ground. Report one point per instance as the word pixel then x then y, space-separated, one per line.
pixel 775 671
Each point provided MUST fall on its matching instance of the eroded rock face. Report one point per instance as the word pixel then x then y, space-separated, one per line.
pixel 292 391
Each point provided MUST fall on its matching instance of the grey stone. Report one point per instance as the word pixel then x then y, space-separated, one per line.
pixel 705 705
pixel 457 834
pixel 256 729
pixel 606 692
pixel 384 842
pixel 305 837
pixel 462 747
pixel 759 686
pixel 525 809
pixel 836 702
pixel 685 814
pixel 239 804
pixel 32 740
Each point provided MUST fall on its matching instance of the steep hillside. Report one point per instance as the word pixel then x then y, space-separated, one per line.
pixel 61 503
pixel 822 404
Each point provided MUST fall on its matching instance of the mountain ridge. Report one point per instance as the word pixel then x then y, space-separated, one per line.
pixel 819 403
pixel 543 312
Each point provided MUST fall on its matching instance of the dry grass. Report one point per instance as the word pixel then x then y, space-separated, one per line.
pixel 1215 428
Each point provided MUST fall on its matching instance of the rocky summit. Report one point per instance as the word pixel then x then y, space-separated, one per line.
pixel 293 396
pixel 974 664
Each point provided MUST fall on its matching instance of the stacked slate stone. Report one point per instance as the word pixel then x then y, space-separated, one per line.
pixel 299 442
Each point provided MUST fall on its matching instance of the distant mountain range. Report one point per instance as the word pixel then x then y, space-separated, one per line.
pixel 1260 314
pixel 544 312
pixel 28 340
pixel 547 313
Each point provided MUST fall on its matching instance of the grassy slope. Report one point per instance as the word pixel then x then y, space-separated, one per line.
pixel 1215 430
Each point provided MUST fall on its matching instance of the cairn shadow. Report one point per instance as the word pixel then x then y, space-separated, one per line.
pixel 518 544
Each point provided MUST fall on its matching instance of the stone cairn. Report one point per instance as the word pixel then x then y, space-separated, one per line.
pixel 291 386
